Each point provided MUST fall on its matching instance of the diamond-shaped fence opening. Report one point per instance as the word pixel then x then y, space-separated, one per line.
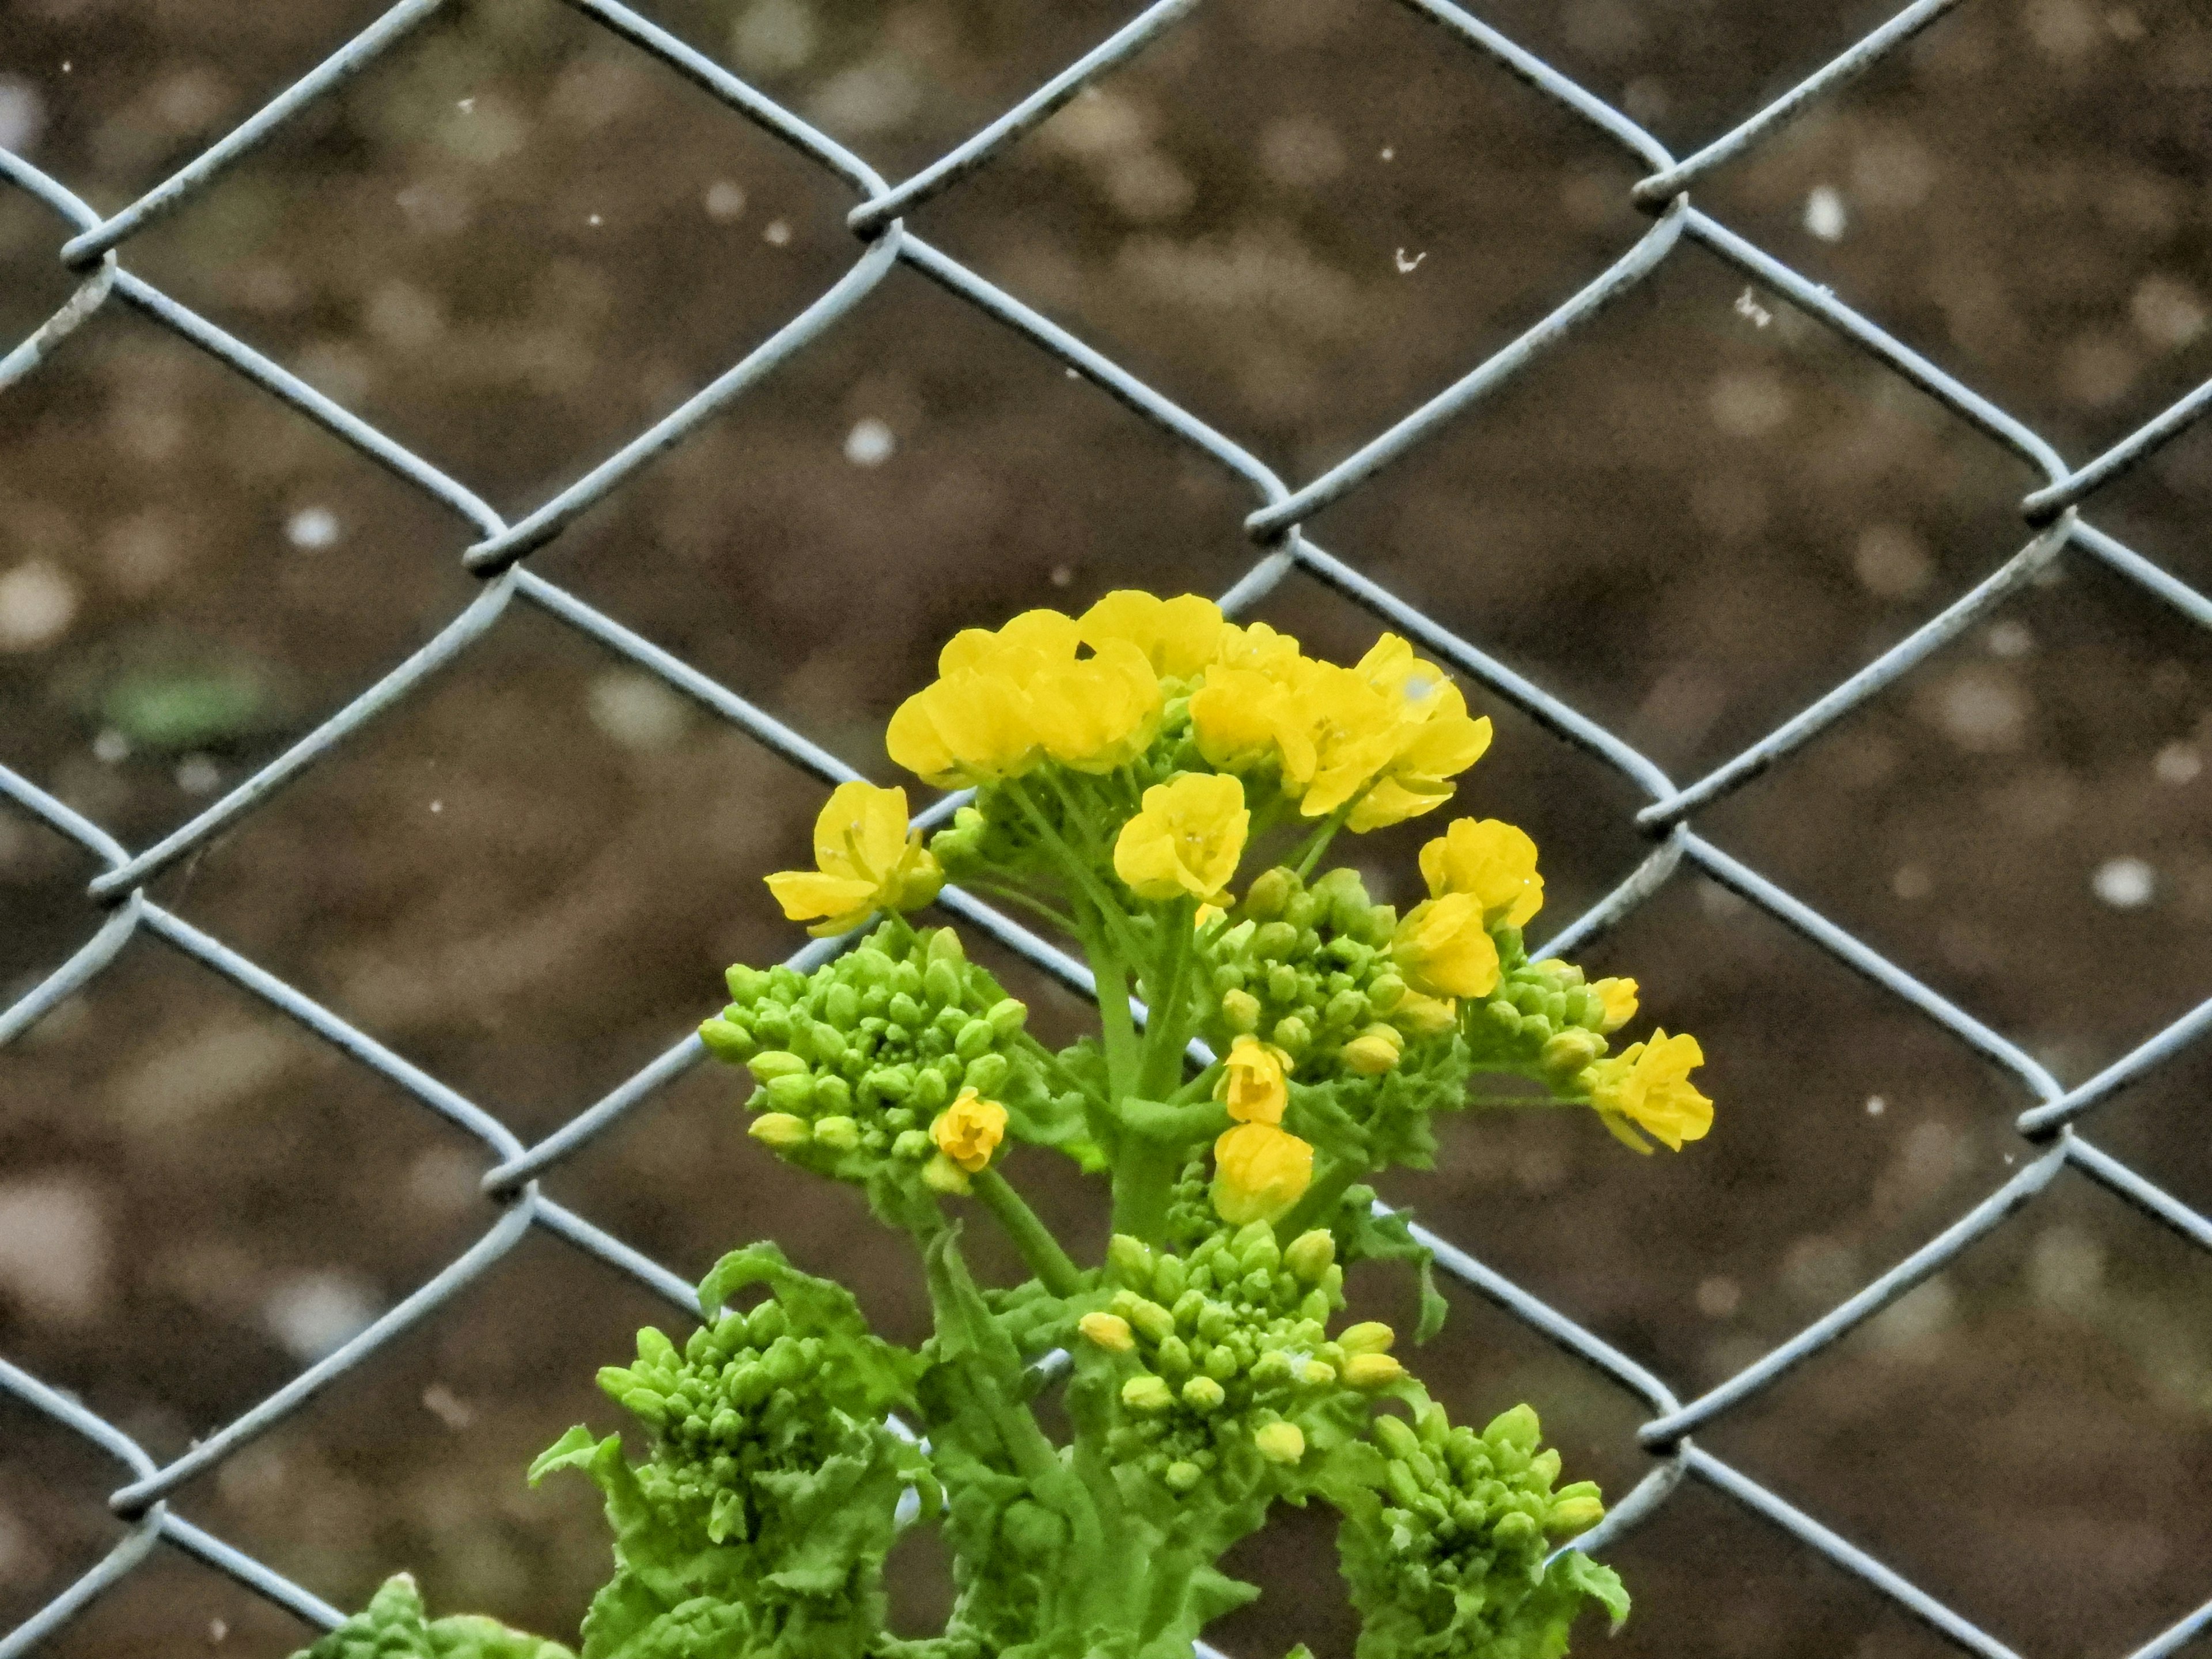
pixel 125 914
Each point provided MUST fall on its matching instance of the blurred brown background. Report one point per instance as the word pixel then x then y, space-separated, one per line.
pixel 515 242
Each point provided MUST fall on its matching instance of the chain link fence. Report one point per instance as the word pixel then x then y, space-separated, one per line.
pixel 2051 1116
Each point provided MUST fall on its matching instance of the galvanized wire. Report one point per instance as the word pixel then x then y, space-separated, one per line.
pixel 2050 1115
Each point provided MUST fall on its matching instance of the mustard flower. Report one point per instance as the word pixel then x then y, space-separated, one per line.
pixel 1257 647
pixel 1442 950
pixel 969 1130
pixel 1252 1085
pixel 1336 732
pixel 869 861
pixel 1648 1085
pixel 972 727
pixel 1618 996
pixel 1025 643
pixel 1490 860
pixel 1178 635
pixel 1259 1172
pixel 1096 712
pixel 1187 838
pixel 1233 716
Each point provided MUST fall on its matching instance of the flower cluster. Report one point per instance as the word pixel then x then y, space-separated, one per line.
pixel 1449 1555
pixel 1228 1365
pixel 899 1059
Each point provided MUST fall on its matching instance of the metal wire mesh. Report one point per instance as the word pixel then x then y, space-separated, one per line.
pixel 2048 1121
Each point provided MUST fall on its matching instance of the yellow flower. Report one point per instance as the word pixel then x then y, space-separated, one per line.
pixel 869 861
pixel 1618 996
pixel 1187 838
pixel 1648 1085
pixel 1336 732
pixel 1490 860
pixel 1437 740
pixel 1033 638
pixel 1257 647
pixel 1233 716
pixel 969 1130
pixel 971 727
pixel 1441 949
pixel 1097 713
pixel 1252 1084
pixel 1179 635
pixel 1259 1172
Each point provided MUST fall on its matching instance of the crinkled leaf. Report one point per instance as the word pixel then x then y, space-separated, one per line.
pixel 872 1375
pixel 394 1626
pixel 1364 1235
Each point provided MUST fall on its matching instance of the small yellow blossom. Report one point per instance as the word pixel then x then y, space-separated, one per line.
pixel 869 861
pixel 1336 732
pixel 1493 861
pixel 1188 839
pixel 1233 716
pixel 1279 1442
pixel 1109 1331
pixel 1436 739
pixel 972 727
pixel 1252 1083
pixel 1257 647
pixel 1648 1085
pixel 1179 635
pixel 969 1130
pixel 1618 996
pixel 1096 712
pixel 1442 950
pixel 1028 641
pixel 1259 1172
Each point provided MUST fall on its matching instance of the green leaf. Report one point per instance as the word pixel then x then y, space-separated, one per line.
pixel 1595 1580
pixel 874 1374
pixel 393 1626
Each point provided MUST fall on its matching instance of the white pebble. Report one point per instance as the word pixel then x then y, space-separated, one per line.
pixel 2125 883
pixel 870 443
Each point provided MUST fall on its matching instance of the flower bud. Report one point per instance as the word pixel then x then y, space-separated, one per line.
pixel 1310 1254
pixel 840 1134
pixel 1280 1442
pixel 726 1040
pixel 833 1096
pixel 1154 1321
pixel 1109 1331
pixel 773 1063
pixel 940 981
pixel 1203 1393
pixel 1146 1393
pixel 974 1038
pixel 1514 1529
pixel 1397 1436
pixel 942 1174
pixel 1130 1260
pixel 1221 1362
pixel 1282 983
pixel 1517 1428
pixel 1173 1354
pixel 905 1012
pixel 913 1146
pixel 780 1129
pixel 1372 1370
pixel 1569 1052
pixel 1370 1336
pixel 1275 941
pixel 1183 1475
pixel 1171 1283
pixel 1008 1016
pixel 1293 1035
pixel 987 1074
pixel 746 984
pixel 840 1006
pixel 1370 1053
pixel 1421 1017
pixel 1270 892
pixel 792 1091
pixel 1240 1010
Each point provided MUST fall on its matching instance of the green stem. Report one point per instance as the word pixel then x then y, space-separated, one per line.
pixel 1030 1236
pixel 1321 1199
pixel 1319 842
pixel 1079 868
pixel 1144 1177
pixel 1198 1088
pixel 1117 1026
pixel 1164 1034
pixel 1052 1064
pixel 1059 918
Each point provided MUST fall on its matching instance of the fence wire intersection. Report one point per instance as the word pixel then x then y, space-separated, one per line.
pixel 2051 507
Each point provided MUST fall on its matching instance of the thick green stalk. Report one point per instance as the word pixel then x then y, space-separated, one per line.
pixel 1039 1249
pixel 1321 1199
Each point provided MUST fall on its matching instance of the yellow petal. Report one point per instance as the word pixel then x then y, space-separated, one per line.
pixel 806 894
pixel 1179 635
pixel 1259 1172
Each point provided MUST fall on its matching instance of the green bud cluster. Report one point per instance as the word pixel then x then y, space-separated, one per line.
pixel 1221 1344
pixel 1466 1504
pixel 1542 1019
pixel 855 1061
pixel 1453 1557
pixel 744 1397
